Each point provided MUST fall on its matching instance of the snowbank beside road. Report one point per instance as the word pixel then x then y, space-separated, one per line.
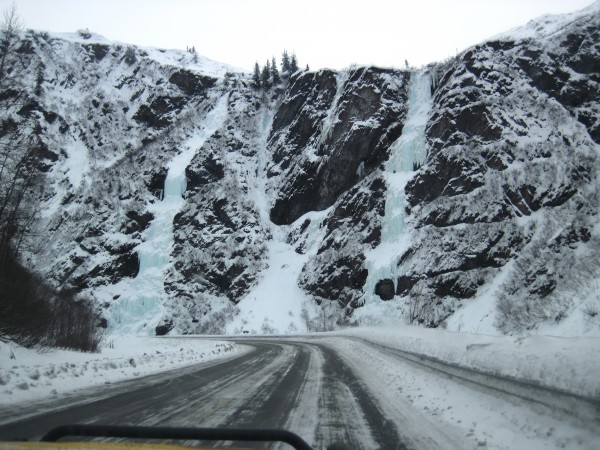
pixel 32 375
pixel 571 364
pixel 424 401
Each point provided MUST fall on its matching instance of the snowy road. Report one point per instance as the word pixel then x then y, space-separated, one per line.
pixel 328 390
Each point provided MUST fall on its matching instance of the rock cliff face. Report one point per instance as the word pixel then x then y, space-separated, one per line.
pixel 503 211
pixel 329 138
pixel 510 174
pixel 328 133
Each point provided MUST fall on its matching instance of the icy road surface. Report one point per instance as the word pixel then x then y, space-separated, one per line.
pixel 334 390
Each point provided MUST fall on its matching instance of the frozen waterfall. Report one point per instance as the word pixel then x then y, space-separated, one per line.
pixel 139 306
pixel 406 154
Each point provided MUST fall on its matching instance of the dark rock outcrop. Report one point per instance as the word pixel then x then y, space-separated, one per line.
pixel 504 146
pixel 160 112
pixel 385 289
pixel 97 51
pixel 337 272
pixel 209 170
pixel 219 238
pixel 191 83
pixel 325 137
pixel 136 221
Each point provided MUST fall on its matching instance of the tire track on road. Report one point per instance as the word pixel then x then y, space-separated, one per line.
pixel 351 411
pixel 271 402
pixel 147 403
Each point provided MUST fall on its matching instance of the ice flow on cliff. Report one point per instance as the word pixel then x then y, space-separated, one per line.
pixel 139 308
pixel 406 154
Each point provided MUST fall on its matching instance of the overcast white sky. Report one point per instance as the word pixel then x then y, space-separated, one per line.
pixel 322 33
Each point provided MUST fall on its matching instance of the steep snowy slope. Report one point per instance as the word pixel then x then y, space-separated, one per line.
pixel 500 223
pixel 506 207
pixel 113 120
pixel 163 174
pixel 328 141
pixel 183 199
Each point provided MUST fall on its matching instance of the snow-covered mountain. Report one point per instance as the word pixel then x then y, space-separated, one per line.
pixel 183 199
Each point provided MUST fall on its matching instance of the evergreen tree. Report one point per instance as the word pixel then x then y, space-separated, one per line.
pixel 285 63
pixel 256 76
pixel 293 64
pixel 39 79
pixel 274 71
pixel 130 57
pixel 265 75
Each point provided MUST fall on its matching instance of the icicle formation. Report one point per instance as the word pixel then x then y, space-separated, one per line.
pixel 407 154
pixel 139 308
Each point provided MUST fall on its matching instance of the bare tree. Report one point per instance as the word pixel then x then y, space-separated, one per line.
pixel 10 29
pixel 31 310
pixel 329 316
pixel 419 306
pixel 17 179
pixel 20 179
